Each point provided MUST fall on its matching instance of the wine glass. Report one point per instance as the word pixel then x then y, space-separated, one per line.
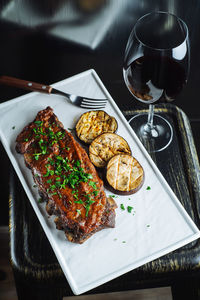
pixel 156 67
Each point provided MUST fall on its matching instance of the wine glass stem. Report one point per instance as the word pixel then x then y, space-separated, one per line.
pixel 150 116
pixel 149 129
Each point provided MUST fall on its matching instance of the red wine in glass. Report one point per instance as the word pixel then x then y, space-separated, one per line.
pixel 156 67
pixel 154 78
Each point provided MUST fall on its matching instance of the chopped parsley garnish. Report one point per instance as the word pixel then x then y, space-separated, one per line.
pixel 122 206
pixel 36 155
pixel 78 211
pixel 40 200
pixel 13 127
pixel 52 194
pixel 52 187
pixel 148 188
pixel 39 123
pixel 70 129
pixel 61 172
pixel 95 193
pixel 129 209
pixel 92 184
pixel 49 172
pixel 79 201
pixel 88 203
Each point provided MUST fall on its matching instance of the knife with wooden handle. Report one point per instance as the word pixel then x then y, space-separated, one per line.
pixel 82 101
pixel 24 84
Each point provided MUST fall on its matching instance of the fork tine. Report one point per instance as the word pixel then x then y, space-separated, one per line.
pixel 100 101
pixel 93 103
pixel 92 106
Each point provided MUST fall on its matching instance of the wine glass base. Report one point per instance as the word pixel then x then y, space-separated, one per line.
pixel 154 139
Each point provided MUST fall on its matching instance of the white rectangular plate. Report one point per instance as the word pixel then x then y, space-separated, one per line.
pixel 157 225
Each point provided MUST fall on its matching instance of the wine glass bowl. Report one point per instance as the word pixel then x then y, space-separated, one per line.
pixel 156 67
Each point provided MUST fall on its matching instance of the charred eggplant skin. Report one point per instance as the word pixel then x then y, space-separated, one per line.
pixel 121 193
pixel 93 123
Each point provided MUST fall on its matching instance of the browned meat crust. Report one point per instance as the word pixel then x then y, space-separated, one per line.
pixel 65 177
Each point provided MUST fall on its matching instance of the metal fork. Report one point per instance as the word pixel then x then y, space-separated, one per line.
pixel 83 102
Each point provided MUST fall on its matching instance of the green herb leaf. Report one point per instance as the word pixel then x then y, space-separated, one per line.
pixel 92 184
pixel 95 193
pixel 36 156
pixel 129 208
pixel 78 211
pixel 52 194
pixel 89 176
pixel 79 201
pixel 39 123
pixel 122 206
pixel 70 129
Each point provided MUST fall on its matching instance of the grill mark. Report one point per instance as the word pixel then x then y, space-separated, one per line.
pixel 99 157
pixel 131 166
pixel 121 151
pixel 102 121
pixel 116 181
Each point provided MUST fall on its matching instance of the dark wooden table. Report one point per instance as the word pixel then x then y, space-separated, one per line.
pixel 47 41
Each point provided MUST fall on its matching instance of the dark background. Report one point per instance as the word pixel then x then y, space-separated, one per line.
pixel 47 41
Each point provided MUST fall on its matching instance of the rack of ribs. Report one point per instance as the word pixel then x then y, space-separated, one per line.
pixel 65 177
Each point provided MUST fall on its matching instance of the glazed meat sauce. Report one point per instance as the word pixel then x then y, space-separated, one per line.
pixel 65 177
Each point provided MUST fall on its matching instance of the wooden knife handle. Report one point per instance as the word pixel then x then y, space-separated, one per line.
pixel 27 85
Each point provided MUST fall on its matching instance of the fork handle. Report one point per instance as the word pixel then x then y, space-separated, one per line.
pixel 24 84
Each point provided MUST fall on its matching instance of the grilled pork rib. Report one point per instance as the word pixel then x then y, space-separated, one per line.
pixel 65 177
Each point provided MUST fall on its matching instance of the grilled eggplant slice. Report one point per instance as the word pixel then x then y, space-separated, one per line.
pixel 124 174
pixel 105 146
pixel 93 123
